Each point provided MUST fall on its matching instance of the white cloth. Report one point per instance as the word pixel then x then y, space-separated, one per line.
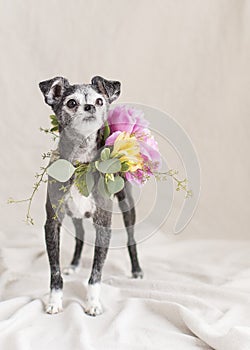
pixel 188 58
pixel 195 295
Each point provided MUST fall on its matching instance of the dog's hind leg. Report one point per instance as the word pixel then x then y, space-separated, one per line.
pixel 126 204
pixel 52 236
pixel 79 231
pixel 102 222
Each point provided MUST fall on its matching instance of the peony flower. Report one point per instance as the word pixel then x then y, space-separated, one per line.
pixel 137 177
pixel 149 149
pixel 133 143
pixel 128 119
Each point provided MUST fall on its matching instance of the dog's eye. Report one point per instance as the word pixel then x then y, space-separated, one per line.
pixel 71 103
pixel 99 102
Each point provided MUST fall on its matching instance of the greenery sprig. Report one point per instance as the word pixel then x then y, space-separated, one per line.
pixel 182 185
pixel 40 179
pixel 54 127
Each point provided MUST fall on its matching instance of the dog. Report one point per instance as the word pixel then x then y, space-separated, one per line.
pixel 81 111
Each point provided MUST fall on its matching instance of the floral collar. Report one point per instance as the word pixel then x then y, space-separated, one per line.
pixel 129 153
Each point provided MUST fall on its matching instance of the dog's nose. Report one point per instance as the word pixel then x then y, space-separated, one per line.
pixel 89 108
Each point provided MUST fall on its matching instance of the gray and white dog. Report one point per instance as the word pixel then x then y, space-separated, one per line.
pixel 81 111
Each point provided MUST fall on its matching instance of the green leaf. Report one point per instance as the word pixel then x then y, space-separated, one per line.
pixel 53 120
pixel 82 187
pixel 84 180
pixel 105 153
pixel 80 183
pixel 115 186
pixel 96 164
pixel 89 178
pixel 102 189
pixel 82 168
pixel 125 167
pixel 54 129
pixel 110 166
pixel 54 123
pixel 61 170
pixel 106 131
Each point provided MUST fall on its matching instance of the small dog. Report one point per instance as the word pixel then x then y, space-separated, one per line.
pixel 81 111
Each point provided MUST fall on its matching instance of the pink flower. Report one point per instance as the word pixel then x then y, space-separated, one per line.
pixel 149 149
pixel 111 139
pixel 132 121
pixel 125 118
pixel 137 177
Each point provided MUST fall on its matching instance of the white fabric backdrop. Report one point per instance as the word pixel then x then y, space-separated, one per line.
pixel 188 58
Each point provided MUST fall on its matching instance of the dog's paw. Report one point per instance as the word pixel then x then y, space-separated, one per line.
pixel 137 274
pixel 93 309
pixel 54 305
pixel 69 270
pixel 54 308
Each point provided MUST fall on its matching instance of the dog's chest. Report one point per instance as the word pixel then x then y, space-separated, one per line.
pixel 83 154
pixel 77 205
pixel 75 148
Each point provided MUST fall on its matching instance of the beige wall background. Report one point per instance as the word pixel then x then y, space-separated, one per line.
pixel 189 58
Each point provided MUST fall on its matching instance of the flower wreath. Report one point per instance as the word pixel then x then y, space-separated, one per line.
pixel 130 153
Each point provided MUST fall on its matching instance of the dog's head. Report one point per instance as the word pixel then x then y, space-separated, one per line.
pixel 81 108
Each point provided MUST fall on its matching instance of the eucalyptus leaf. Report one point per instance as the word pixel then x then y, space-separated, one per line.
pixel 109 166
pixel 102 189
pixel 89 178
pixel 105 153
pixel 96 164
pixel 115 186
pixel 61 170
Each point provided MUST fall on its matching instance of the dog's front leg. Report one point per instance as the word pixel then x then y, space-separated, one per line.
pixel 102 222
pixel 52 237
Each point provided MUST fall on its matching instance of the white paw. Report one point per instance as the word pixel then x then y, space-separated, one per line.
pixel 137 274
pixel 55 302
pixel 69 270
pixel 93 308
pixel 54 308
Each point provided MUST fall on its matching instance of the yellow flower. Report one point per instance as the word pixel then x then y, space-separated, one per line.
pixel 127 149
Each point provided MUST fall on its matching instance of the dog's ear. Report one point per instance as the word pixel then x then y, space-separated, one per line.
pixel 53 89
pixel 109 88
